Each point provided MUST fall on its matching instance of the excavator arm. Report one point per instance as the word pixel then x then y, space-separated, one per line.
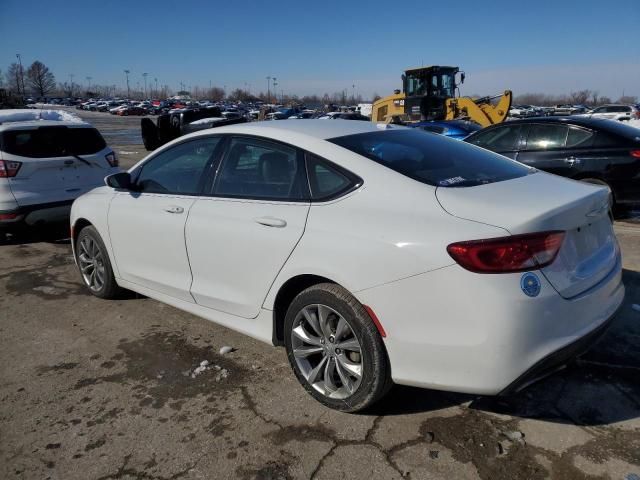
pixel 482 110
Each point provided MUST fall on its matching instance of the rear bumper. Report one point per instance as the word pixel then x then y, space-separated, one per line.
pixel 454 330
pixel 33 215
pixel 558 359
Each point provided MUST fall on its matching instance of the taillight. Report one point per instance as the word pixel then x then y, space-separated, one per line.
pixel 9 168
pixel 112 159
pixel 635 153
pixel 508 254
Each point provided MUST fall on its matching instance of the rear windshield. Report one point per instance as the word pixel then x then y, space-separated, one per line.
pixel 433 159
pixel 57 141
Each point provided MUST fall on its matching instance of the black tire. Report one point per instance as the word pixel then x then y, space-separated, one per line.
pixel 109 288
pixel 376 372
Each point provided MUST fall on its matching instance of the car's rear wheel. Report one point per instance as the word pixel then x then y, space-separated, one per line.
pixel 335 349
pixel 95 267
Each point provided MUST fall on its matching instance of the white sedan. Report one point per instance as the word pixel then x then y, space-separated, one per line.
pixel 374 254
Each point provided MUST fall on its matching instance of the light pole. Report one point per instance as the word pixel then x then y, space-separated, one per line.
pixel 156 80
pixel 268 89
pixel 71 75
pixel 127 72
pixel 275 89
pixel 145 84
pixel 353 95
pixel 88 83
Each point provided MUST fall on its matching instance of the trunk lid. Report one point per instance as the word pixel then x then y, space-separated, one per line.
pixel 543 202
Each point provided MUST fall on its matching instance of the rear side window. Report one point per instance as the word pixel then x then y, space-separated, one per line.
pixel 579 138
pixel 433 159
pixel 545 137
pixel 499 139
pixel 326 180
pixel 258 169
pixel 58 141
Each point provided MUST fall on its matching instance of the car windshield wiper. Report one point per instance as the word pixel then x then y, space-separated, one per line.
pixel 87 162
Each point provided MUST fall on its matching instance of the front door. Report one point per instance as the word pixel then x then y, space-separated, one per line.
pixel 146 225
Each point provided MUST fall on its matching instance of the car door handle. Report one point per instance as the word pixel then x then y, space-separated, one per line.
pixel 271 222
pixel 572 161
pixel 174 209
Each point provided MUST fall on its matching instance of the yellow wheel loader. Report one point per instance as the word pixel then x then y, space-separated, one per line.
pixel 429 93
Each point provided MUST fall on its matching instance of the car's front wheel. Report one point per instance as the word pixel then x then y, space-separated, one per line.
pixel 95 267
pixel 335 350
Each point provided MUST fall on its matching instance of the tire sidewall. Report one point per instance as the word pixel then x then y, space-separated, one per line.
pixel 375 370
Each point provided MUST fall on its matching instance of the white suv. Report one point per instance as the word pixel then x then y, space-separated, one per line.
pixel 616 112
pixel 44 166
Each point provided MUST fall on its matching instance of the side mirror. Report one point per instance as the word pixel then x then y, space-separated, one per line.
pixel 462 75
pixel 120 181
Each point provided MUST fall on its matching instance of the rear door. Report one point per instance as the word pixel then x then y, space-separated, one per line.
pixel 545 148
pixel 240 236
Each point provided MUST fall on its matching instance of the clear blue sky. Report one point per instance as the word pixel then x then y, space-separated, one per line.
pixel 551 46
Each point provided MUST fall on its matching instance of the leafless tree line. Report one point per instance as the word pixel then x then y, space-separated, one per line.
pixel 582 97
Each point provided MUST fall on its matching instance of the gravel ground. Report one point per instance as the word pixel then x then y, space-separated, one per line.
pixel 94 389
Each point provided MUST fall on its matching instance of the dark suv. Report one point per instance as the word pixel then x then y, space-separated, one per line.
pixel 588 149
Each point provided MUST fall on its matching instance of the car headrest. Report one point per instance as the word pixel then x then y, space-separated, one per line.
pixel 275 167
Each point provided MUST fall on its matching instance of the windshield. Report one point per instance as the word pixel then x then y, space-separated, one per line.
pixel 433 159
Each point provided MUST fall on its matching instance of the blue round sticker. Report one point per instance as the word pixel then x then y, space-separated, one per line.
pixel 530 284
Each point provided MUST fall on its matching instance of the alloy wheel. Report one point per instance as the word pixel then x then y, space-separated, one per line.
pixel 91 262
pixel 327 351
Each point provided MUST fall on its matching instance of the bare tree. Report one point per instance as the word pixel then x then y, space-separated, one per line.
pixel 215 94
pixel 580 98
pixel 604 100
pixel 628 99
pixel 40 78
pixel 376 97
pixel 13 77
pixel 595 96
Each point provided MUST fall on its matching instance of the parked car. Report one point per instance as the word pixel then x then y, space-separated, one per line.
pixel 343 116
pixel 373 254
pixel 44 166
pixel 131 110
pixel 589 149
pixel 457 129
pixel 615 112
pixel 569 109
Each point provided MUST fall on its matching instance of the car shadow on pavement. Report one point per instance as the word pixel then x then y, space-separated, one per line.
pixel 57 234
pixel 600 388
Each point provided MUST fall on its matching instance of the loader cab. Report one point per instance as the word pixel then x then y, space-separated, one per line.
pixel 426 90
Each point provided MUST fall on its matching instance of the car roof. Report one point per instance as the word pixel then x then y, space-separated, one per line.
pixel 572 119
pixel 42 123
pixel 319 129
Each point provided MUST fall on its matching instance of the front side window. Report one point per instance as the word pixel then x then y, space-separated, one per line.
pixel 178 170
pixel 545 137
pixel 259 169
pixel 499 139
pixel 433 159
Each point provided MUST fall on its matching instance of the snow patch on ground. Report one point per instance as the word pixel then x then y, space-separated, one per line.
pixel 30 115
